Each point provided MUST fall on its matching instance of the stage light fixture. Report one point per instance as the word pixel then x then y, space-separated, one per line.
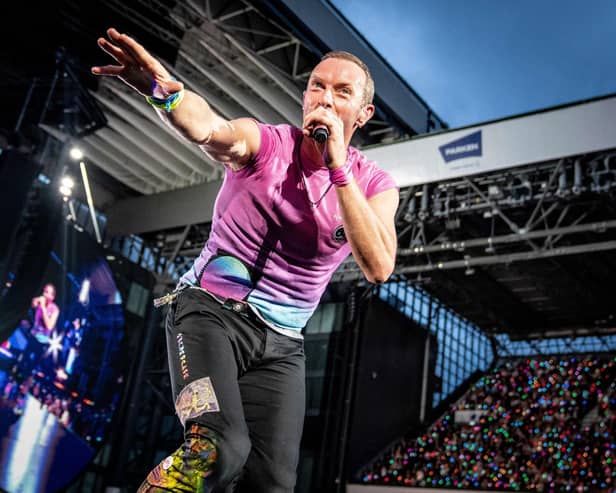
pixel 67 182
pixel 577 178
pixel 495 192
pixel 76 153
pixel 66 186
pixel 469 268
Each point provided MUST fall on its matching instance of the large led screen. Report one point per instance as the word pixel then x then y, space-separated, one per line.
pixel 61 375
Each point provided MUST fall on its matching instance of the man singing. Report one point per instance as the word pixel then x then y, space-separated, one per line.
pixel 46 311
pixel 294 204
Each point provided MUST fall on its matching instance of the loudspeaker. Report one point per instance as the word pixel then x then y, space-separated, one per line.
pixel 17 172
pixel 387 391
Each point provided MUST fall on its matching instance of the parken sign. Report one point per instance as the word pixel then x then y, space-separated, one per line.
pixel 468 146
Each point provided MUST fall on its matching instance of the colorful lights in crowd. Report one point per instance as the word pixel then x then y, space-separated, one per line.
pixel 537 425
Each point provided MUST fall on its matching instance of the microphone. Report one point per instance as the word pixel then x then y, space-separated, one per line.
pixel 320 133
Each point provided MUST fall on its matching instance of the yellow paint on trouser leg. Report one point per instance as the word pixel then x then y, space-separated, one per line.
pixel 186 470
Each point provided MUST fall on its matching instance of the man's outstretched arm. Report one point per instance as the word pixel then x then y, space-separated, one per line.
pixel 232 142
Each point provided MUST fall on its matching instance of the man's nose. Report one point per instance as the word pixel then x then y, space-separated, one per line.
pixel 326 98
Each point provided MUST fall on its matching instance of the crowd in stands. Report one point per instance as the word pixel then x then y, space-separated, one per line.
pixel 537 425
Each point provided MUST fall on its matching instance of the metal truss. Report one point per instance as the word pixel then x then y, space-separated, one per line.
pixel 554 209
pixel 557 208
pixel 241 59
pixel 166 254
pixel 246 40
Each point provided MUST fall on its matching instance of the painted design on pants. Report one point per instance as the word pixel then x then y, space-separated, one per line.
pixel 186 470
pixel 182 355
pixel 196 398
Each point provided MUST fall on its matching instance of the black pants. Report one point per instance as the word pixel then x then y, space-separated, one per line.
pixel 245 383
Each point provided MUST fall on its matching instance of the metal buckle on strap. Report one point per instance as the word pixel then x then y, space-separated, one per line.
pixel 163 300
pixel 169 297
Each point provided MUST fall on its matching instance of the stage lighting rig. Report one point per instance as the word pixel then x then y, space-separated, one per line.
pixel 76 154
pixel 66 187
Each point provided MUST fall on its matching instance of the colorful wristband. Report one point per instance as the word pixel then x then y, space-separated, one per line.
pixel 341 176
pixel 167 104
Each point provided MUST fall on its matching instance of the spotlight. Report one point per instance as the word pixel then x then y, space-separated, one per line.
pixel 562 183
pixel 490 248
pixel 495 192
pixel 67 182
pixel 84 292
pixel 469 269
pixel 76 153
pixel 520 188
pixel 66 186
pixel 577 178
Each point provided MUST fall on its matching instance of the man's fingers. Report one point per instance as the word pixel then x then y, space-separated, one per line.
pixel 138 55
pixel 319 116
pixel 112 32
pixel 312 122
pixel 312 119
pixel 108 70
pixel 132 47
pixel 112 50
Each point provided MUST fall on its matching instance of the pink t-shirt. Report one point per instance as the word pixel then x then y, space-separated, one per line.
pixel 269 245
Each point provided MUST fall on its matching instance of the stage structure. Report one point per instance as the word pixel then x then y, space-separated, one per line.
pixel 545 160
pixel 482 205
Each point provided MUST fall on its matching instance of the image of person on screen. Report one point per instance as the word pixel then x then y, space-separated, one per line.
pixel 46 311
pixel 294 204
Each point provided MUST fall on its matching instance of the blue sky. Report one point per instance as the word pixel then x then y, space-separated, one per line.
pixel 478 60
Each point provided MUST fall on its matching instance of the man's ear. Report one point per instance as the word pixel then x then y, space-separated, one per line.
pixel 365 114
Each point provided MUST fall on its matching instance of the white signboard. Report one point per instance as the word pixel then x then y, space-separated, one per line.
pixel 548 135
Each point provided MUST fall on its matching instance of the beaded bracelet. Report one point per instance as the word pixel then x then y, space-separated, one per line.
pixel 167 104
pixel 341 176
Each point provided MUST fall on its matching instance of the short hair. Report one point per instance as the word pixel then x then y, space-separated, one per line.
pixel 345 55
pixel 49 285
